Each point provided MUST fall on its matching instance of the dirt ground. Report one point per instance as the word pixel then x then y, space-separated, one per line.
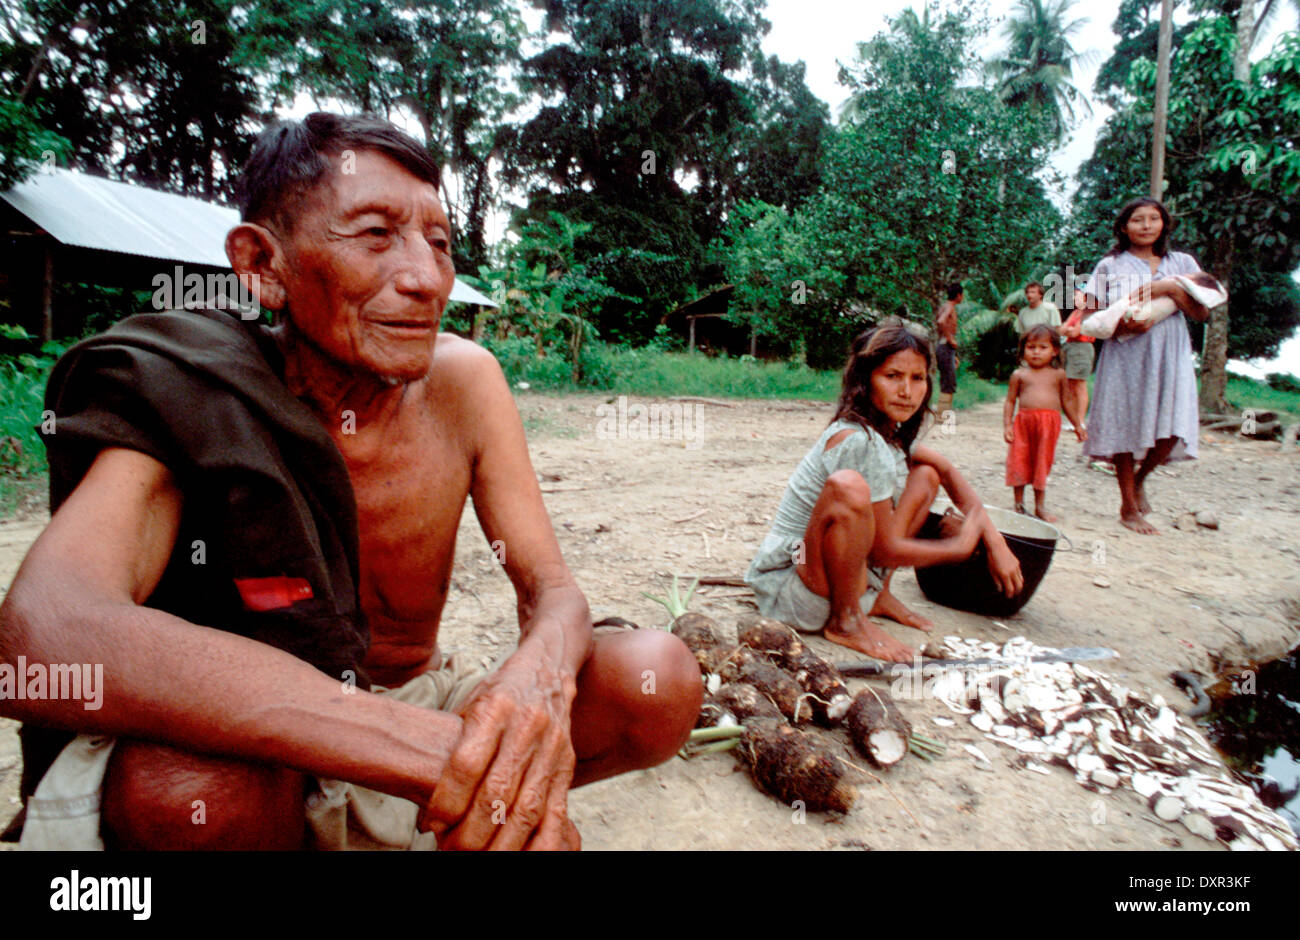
pixel 631 511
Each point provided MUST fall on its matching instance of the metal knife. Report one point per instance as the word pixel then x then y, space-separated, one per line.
pixel 1071 654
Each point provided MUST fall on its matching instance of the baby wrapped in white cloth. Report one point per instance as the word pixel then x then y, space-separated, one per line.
pixel 1201 286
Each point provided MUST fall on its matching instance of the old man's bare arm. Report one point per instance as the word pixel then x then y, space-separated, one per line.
pixel 203 691
pixel 564 707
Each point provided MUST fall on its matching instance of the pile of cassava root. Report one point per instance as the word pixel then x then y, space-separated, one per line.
pixel 773 686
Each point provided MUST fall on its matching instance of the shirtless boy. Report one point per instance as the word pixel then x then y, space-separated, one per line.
pixel 945 351
pixel 345 233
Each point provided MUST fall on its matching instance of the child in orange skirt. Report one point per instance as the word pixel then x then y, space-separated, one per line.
pixel 1039 386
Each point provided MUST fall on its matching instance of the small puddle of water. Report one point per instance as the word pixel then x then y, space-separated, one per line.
pixel 1255 724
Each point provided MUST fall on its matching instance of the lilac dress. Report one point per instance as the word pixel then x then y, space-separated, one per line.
pixel 1145 388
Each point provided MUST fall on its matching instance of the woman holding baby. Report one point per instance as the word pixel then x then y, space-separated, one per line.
pixel 1144 409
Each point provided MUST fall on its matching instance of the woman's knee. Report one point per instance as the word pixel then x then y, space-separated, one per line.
pixel 924 475
pixel 849 492
pixel 162 798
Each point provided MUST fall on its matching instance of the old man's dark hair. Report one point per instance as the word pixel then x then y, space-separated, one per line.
pixel 292 158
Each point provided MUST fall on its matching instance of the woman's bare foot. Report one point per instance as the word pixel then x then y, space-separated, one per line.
pixel 1143 506
pixel 891 608
pixel 1138 523
pixel 857 632
pixel 1043 514
pixel 1020 508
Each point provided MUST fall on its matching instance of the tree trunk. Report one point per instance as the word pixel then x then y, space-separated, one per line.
pixel 1214 362
pixel 47 294
pixel 1214 351
pixel 1161 111
pixel 35 70
pixel 1245 34
pixel 575 351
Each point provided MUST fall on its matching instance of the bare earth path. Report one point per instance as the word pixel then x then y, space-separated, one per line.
pixel 629 511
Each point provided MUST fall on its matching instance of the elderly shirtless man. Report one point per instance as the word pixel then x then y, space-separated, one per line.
pixel 207 738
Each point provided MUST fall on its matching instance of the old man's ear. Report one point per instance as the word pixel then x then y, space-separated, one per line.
pixel 256 256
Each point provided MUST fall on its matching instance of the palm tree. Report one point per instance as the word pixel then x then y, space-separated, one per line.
pixel 1036 69
pixel 1265 14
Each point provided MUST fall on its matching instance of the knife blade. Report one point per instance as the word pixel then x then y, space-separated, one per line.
pixel 1071 654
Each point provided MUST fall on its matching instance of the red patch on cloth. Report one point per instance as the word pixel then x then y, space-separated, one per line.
pixel 261 594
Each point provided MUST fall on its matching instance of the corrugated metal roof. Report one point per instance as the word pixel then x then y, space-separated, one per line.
pixel 92 212
pixel 468 295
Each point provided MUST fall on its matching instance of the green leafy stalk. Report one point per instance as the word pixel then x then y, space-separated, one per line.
pixel 700 735
pixel 675 603
pixel 714 748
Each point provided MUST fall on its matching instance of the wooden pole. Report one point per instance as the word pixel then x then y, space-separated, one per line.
pixel 47 295
pixel 1162 99
pixel 691 320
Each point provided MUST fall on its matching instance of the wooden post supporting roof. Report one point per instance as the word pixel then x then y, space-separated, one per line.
pixel 47 294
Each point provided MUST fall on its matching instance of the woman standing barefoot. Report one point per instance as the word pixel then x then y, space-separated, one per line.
pixel 1144 409
pixel 852 509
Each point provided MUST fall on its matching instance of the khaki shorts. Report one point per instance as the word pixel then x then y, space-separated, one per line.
pixel 63 812
pixel 794 603
pixel 1078 359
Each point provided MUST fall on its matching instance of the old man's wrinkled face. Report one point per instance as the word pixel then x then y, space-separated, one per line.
pixel 368 269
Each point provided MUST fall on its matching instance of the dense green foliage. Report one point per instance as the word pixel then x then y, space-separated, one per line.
pixel 646 154
pixel 445 67
pixel 141 89
pixel 654 121
pixel 25 144
pixel 931 177
pixel 934 179
pixel 22 400
pixel 1232 171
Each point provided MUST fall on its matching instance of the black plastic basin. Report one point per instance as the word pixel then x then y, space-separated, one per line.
pixel 967 585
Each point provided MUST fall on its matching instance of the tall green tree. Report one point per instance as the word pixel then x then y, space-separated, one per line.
pixel 447 66
pixel 653 120
pixel 931 178
pixel 1237 166
pixel 142 90
pixel 781 282
pixel 1035 72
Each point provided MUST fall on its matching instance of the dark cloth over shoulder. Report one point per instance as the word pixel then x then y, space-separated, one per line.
pixel 266 492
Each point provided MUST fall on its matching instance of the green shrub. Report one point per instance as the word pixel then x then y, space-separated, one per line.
pixel 1283 381
pixel 993 354
pixel 22 400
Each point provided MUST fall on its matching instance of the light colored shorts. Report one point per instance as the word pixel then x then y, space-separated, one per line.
pixel 63 813
pixel 1078 359
pixel 793 602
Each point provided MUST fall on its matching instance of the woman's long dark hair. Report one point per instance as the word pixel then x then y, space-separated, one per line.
pixel 869 352
pixel 1122 242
